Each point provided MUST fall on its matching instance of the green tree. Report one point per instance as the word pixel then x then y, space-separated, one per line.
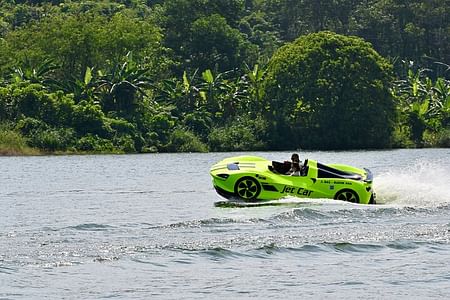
pixel 329 91
pixel 203 34
pixel 217 46
pixel 299 17
pixel 180 14
pixel 414 30
pixel 261 32
pixel 81 41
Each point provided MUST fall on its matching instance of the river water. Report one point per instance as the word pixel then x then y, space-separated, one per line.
pixel 145 227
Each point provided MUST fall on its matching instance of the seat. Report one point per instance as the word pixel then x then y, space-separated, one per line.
pixel 280 167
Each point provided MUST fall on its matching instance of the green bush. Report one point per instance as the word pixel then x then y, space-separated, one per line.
pixel 124 143
pixel 198 122
pixel 53 139
pixel 89 118
pixel 241 134
pixel 93 143
pixel 152 142
pixel 437 139
pixel 24 99
pixel 12 142
pixel 401 138
pixel 444 138
pixel 122 126
pixel 41 135
pixel 158 129
pixel 182 140
pixel 28 126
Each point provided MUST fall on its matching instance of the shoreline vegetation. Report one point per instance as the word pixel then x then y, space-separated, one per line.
pixel 82 77
pixel 12 143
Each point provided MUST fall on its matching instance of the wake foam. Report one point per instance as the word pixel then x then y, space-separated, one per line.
pixel 422 184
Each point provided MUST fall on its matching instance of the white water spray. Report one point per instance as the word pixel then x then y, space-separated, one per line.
pixel 422 184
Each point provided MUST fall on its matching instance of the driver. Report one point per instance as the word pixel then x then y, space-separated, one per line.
pixel 295 165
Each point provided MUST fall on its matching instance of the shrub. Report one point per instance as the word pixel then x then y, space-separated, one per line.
pixel 53 139
pixel 124 143
pixel 182 140
pixel 45 137
pixel 241 134
pixel 13 143
pixel 28 126
pixel 93 143
pixel 89 118
pixel 198 122
pixel 437 139
pixel 122 126
pixel 24 99
pixel 401 137
pixel 444 138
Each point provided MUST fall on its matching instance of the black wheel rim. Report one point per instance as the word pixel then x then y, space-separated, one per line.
pixel 348 196
pixel 247 189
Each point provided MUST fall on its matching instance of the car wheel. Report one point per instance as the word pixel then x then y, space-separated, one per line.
pixel 247 188
pixel 347 195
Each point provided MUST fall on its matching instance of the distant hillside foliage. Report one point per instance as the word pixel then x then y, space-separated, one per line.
pixel 135 76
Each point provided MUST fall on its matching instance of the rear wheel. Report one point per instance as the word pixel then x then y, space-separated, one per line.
pixel 347 195
pixel 247 188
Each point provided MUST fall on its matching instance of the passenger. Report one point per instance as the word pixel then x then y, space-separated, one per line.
pixel 295 165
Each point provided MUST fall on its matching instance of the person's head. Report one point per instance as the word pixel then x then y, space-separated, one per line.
pixel 295 158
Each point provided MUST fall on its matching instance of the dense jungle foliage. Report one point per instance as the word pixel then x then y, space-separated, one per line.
pixel 223 75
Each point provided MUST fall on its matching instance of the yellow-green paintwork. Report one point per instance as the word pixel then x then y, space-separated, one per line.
pixel 309 186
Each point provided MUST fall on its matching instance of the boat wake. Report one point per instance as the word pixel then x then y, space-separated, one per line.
pixel 286 202
pixel 419 185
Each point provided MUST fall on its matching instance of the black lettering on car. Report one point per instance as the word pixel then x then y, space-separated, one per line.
pixel 294 190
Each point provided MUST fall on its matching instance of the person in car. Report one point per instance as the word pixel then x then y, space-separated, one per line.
pixel 295 165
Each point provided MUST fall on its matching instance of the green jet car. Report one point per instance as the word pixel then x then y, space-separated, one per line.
pixel 254 179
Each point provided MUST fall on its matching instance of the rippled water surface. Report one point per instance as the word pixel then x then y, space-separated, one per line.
pixel 145 226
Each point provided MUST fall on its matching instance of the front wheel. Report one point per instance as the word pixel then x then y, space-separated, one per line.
pixel 347 195
pixel 247 188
